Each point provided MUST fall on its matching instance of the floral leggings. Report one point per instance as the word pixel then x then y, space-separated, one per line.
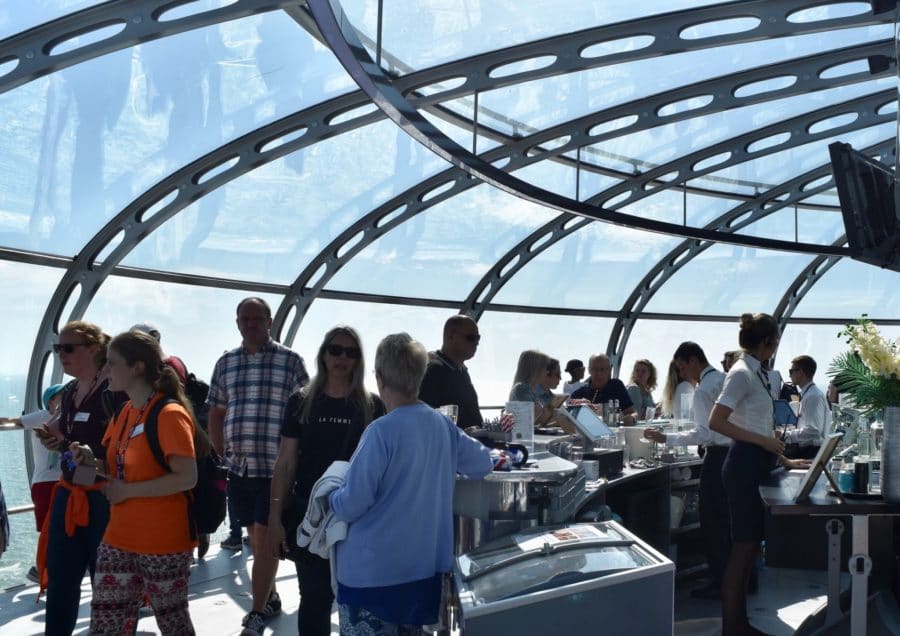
pixel 356 621
pixel 122 581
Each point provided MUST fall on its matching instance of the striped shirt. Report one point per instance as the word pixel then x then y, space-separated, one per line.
pixel 254 389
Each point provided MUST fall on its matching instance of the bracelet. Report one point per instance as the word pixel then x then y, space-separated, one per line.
pixel 275 499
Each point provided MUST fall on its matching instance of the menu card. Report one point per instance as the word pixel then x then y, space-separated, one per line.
pixel 523 429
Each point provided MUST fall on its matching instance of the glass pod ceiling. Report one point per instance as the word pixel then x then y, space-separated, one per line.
pixel 224 145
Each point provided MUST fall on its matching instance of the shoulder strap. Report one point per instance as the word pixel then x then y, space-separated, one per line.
pixel 151 430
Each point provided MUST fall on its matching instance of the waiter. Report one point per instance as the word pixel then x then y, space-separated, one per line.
pixel 695 368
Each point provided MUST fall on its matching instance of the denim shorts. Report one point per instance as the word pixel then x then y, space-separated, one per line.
pixel 250 499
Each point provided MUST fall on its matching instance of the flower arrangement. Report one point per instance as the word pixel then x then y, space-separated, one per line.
pixel 870 372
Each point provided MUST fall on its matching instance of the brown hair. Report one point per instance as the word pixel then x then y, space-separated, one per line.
pixel 92 334
pixel 136 346
pixel 756 329
pixel 805 364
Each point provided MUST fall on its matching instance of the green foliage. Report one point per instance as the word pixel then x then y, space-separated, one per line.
pixel 870 393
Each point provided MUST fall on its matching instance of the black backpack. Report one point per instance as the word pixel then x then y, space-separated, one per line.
pixel 206 500
pixel 197 391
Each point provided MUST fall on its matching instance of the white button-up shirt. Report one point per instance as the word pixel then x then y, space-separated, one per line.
pixel 813 420
pixel 704 397
pixel 746 394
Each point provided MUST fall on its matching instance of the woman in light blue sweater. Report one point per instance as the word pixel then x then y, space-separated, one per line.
pixel 398 502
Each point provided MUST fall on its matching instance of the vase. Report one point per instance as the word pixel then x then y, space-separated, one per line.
pixel 890 455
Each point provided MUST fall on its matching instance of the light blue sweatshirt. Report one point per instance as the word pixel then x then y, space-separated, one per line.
pixel 398 497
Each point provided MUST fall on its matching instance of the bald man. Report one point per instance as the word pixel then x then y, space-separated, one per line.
pixel 447 379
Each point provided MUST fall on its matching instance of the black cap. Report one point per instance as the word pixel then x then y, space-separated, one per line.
pixel 571 365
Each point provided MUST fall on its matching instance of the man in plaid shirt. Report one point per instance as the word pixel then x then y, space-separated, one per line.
pixel 248 391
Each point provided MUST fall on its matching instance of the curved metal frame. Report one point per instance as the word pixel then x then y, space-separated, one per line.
pixel 344 42
pixel 313 278
pixel 801 285
pixel 140 22
pixel 785 195
pixel 84 271
pixel 642 186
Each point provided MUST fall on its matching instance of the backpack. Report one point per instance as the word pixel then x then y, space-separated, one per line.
pixel 206 500
pixel 197 391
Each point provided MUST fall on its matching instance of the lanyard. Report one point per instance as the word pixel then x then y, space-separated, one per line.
pixel 70 419
pixel 704 374
pixel 122 445
pixel 764 379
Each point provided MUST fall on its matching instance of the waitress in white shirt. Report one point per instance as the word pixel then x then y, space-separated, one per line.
pixel 745 413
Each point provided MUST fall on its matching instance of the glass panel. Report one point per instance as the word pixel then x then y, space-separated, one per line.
pixel 540 104
pixel 822 342
pixel 850 289
pixel 267 224
pixel 729 280
pixel 649 148
pixel 443 252
pixel 196 323
pixel 423 33
pixel 595 267
pixel 90 138
pixel 752 177
pixel 19 16
pixel 505 335
pixel 812 226
pixel 27 290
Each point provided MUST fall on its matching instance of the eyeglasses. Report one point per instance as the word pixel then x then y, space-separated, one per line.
pixel 336 350
pixel 68 347
pixel 472 337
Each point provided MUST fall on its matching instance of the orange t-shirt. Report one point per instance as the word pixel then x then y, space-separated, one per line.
pixel 149 525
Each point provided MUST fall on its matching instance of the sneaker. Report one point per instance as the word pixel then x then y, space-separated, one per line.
pixel 32 575
pixel 232 543
pixel 202 545
pixel 254 624
pixel 273 605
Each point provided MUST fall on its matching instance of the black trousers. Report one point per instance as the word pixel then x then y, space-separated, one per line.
pixel 314 578
pixel 714 519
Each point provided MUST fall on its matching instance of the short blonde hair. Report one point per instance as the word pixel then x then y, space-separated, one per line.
pixel 530 367
pixel 400 361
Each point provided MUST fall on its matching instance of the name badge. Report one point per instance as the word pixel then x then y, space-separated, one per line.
pixel 81 416
pixel 137 430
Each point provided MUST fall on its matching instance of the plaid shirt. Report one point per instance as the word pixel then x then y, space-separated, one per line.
pixel 254 389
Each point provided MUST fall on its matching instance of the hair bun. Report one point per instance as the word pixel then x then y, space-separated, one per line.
pixel 746 321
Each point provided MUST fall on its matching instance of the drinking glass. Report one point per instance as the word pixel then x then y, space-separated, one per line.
pixel 451 411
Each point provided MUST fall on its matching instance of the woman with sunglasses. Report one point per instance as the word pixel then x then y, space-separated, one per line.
pixel 323 423
pixel 537 374
pixel 78 511
pixel 147 548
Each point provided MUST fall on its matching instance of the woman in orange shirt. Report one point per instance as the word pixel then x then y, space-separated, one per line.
pixel 138 558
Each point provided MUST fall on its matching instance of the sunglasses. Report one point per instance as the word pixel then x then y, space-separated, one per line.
pixel 68 348
pixel 336 350
pixel 793 370
pixel 472 337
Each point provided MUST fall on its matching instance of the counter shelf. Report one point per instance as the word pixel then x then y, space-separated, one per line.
pixel 778 494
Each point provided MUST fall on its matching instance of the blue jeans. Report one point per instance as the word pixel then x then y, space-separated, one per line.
pixel 68 558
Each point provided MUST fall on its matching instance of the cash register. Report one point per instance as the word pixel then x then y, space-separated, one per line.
pixel 598 440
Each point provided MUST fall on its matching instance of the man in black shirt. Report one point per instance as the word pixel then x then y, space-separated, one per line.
pixel 446 379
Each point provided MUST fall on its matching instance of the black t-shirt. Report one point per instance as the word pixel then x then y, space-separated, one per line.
pixel 330 433
pixel 613 390
pixel 445 383
pixel 86 424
